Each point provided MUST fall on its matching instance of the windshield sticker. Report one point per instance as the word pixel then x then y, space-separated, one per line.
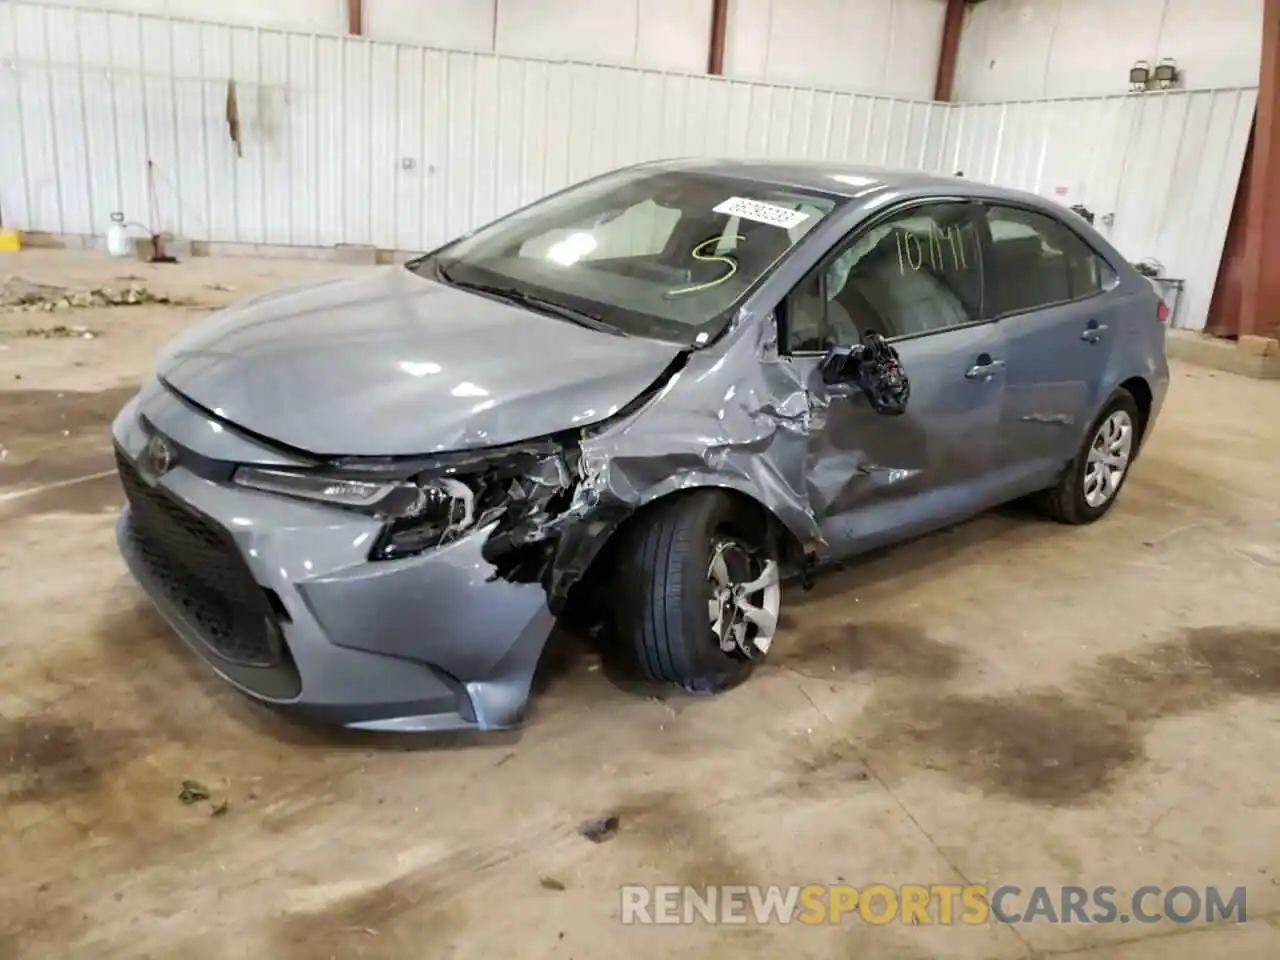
pixel 699 253
pixel 761 212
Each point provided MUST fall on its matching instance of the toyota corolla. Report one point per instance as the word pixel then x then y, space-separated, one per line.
pixel 645 401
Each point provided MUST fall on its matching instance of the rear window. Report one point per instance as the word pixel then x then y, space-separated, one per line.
pixel 1038 262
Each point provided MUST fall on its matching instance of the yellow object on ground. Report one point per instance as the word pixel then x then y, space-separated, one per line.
pixel 10 241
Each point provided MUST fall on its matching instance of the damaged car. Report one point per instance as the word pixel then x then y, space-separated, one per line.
pixel 645 401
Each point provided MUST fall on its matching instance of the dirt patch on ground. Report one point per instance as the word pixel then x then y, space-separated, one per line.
pixel 1044 746
pixel 386 918
pixel 663 830
pixel 45 758
pixel 1059 747
pixel 99 495
pixel 26 414
pixel 50 441
pixel 364 924
pixel 878 649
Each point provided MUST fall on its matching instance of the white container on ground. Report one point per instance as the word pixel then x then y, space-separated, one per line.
pixel 119 243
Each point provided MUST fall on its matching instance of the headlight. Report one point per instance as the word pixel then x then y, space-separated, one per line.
pixel 429 509
pixel 379 498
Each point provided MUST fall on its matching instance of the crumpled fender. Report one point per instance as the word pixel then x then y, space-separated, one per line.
pixel 738 420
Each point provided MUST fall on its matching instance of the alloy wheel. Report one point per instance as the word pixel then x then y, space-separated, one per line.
pixel 1108 460
pixel 745 599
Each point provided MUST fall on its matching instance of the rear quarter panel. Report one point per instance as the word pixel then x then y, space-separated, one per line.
pixel 1138 348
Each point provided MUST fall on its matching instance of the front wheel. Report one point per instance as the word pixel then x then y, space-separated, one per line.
pixel 699 592
pixel 1092 481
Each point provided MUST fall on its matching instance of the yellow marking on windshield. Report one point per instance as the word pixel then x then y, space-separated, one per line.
pixel 697 254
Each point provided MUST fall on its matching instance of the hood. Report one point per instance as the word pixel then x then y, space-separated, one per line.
pixel 392 364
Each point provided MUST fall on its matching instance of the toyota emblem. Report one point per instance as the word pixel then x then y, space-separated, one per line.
pixel 159 456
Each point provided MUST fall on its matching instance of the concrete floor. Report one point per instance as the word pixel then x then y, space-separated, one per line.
pixel 1007 702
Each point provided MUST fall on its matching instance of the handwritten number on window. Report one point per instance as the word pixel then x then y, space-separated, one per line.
pixel 940 246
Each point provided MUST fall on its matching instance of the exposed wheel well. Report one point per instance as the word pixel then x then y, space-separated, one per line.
pixel 759 518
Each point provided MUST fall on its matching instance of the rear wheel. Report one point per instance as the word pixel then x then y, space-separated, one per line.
pixel 1092 481
pixel 699 593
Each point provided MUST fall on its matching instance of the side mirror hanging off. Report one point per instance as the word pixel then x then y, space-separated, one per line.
pixel 874 367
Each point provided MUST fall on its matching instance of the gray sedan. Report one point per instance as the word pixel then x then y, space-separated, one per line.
pixel 642 402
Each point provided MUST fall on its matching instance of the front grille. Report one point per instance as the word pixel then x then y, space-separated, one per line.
pixel 199 568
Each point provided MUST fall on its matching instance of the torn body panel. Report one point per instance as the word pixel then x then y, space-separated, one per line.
pixel 742 419
pixel 707 427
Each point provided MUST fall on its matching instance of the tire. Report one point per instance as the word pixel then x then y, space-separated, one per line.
pixel 664 591
pixel 1069 501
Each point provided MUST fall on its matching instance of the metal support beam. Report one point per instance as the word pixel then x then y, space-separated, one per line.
pixel 719 23
pixel 1224 309
pixel 1259 278
pixel 952 25
pixel 355 17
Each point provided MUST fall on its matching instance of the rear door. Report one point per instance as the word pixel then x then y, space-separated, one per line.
pixel 914 277
pixel 1047 289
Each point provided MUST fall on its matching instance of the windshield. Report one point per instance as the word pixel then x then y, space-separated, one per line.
pixel 646 252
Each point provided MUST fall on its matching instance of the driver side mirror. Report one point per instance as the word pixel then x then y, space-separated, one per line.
pixel 873 367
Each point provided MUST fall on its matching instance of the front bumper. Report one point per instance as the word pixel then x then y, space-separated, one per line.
pixel 278 597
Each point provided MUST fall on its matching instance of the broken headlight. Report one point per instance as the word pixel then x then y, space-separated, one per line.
pixel 437 504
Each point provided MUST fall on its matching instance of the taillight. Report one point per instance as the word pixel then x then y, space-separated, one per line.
pixel 1162 312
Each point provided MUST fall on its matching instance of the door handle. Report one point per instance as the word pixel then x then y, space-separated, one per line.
pixel 984 369
pixel 1093 332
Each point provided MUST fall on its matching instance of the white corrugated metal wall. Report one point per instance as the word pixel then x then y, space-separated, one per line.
pixel 350 141
pixel 1159 171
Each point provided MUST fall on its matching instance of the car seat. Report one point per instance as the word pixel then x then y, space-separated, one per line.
pixel 1029 274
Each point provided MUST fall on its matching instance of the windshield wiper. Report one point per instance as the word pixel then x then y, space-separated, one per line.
pixel 535 302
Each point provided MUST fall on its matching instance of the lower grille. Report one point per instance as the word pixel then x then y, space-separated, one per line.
pixel 198 566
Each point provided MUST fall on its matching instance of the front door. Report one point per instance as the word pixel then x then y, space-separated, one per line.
pixel 916 279
pixel 1045 285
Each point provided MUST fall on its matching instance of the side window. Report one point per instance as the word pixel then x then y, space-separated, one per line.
pixel 814 321
pixel 1037 262
pixel 918 272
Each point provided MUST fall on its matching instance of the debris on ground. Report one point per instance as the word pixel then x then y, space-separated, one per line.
pixel 24 296
pixel 193 791
pixel 599 830
pixel 665 705
pixel 61 332
pixel 551 883
pixel 220 287
pixel 219 809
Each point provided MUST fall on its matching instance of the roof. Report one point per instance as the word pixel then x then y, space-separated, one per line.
pixel 841 179
pixel 863 185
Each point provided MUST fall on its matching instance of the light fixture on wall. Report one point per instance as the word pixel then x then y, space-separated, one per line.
pixel 1139 76
pixel 1167 73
